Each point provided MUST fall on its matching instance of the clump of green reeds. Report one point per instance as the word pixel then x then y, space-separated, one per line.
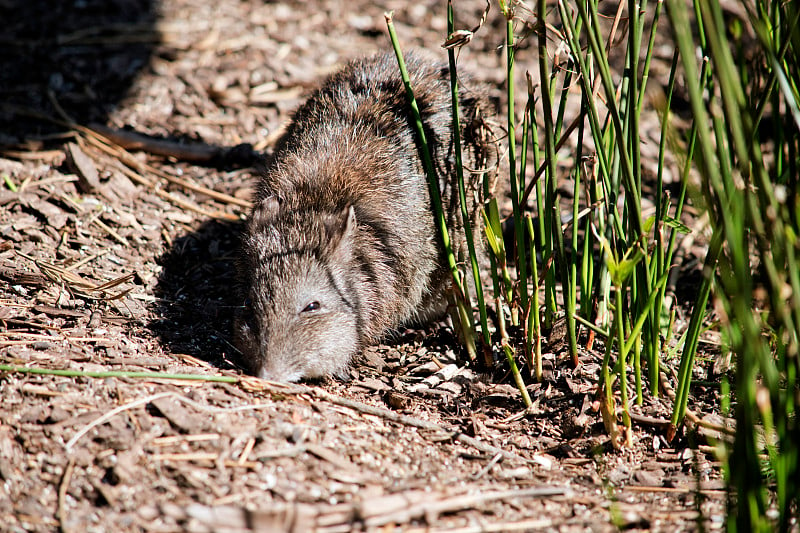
pixel 610 263
pixel 611 281
pixel 602 258
pixel 746 108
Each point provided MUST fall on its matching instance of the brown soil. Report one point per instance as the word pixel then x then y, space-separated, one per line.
pixel 123 260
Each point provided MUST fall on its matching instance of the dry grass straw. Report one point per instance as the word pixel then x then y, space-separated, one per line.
pixel 78 285
pixel 136 170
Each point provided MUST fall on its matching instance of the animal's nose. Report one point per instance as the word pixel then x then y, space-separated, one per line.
pixel 277 374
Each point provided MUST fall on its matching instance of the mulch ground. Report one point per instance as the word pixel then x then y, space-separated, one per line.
pixel 128 137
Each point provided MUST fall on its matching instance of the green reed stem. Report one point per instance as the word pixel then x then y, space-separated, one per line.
pixel 512 364
pixel 467 328
pixel 462 194
pixel 552 211
pixel 116 374
pixel 534 326
pixel 519 232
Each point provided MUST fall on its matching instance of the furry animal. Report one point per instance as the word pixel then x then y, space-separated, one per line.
pixel 341 247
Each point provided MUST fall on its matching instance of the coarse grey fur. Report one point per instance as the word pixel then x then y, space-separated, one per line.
pixel 341 246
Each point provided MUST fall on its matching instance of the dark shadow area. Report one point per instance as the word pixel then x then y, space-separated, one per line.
pixel 197 292
pixel 79 55
pixel 79 58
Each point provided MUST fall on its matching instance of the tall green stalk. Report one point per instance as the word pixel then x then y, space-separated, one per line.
pixel 534 326
pixel 519 232
pixel 464 314
pixel 462 194
pixel 552 211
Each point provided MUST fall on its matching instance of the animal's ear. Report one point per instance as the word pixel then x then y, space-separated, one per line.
pixel 266 211
pixel 341 228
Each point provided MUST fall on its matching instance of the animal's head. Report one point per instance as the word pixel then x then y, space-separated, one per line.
pixel 299 317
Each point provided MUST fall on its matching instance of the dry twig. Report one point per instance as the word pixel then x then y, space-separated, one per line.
pixel 62 495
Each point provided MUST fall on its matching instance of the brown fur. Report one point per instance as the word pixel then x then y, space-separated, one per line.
pixel 341 247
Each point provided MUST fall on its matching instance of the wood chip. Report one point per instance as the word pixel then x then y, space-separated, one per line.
pixel 84 167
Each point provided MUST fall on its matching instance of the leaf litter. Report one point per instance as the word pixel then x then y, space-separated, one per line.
pixel 118 235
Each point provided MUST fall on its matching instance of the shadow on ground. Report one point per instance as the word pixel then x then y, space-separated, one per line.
pixel 197 294
pixel 79 55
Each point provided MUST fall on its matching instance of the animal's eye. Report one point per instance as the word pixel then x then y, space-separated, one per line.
pixel 247 302
pixel 313 306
